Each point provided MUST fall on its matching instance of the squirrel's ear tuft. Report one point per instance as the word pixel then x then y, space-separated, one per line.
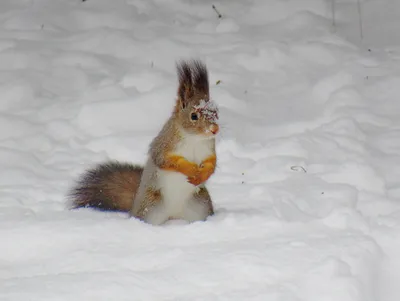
pixel 193 81
pixel 200 79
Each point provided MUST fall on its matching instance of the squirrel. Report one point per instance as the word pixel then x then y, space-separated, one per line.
pixel 181 158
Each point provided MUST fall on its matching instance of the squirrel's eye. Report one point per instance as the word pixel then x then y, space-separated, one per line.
pixel 194 116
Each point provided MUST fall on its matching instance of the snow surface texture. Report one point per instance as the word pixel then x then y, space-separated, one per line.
pixel 307 192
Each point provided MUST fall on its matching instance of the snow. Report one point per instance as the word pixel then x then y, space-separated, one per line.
pixel 208 109
pixel 307 190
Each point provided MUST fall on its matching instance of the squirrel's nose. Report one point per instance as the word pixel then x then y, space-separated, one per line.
pixel 214 128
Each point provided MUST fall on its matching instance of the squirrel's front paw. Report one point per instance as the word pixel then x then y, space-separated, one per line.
pixel 191 170
pixel 195 180
pixel 203 174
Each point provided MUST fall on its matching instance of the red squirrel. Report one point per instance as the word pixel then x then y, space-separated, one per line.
pixel 181 158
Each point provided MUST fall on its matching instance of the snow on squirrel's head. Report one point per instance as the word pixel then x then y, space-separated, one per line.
pixel 194 109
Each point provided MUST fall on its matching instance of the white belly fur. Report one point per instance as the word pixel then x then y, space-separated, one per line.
pixel 175 189
pixel 176 192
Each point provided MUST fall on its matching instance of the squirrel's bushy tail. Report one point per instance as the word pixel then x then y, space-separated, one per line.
pixel 108 186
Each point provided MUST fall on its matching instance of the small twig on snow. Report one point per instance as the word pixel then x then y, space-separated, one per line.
pixel 360 19
pixel 333 16
pixel 219 15
pixel 298 168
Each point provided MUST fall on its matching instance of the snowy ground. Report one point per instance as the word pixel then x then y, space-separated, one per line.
pixel 308 186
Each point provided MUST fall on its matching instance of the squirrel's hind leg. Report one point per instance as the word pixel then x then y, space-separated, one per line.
pixel 156 215
pixel 152 210
pixel 199 207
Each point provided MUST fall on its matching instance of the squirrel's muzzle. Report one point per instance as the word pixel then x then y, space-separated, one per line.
pixel 214 128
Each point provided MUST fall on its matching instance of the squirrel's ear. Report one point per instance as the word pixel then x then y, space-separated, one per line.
pixel 193 81
pixel 179 104
pixel 185 88
pixel 200 79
